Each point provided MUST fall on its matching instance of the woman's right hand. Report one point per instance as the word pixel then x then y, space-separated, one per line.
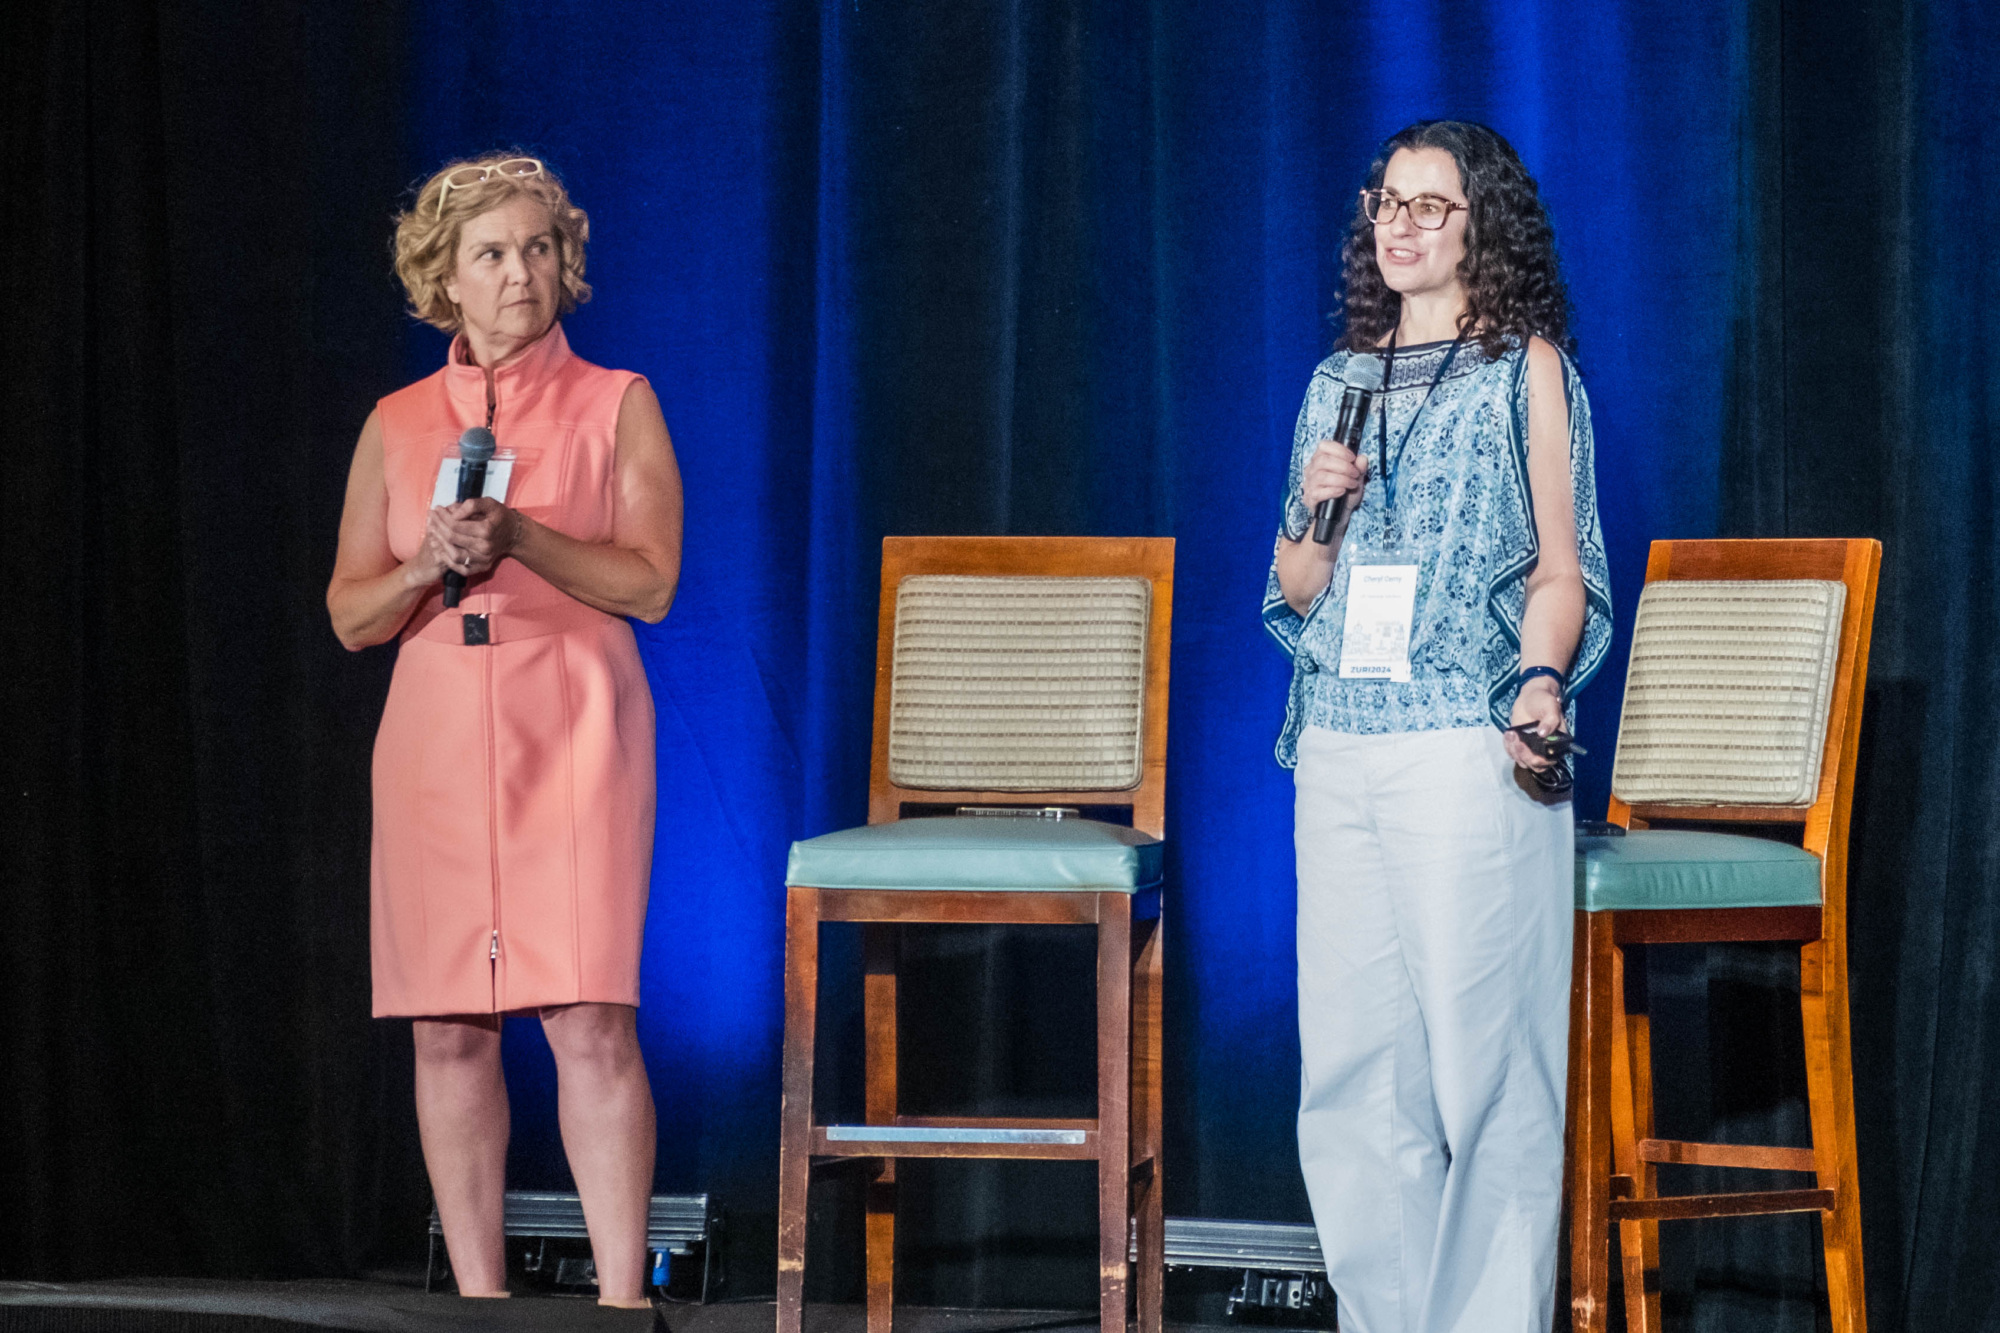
pixel 1331 472
pixel 460 537
pixel 427 567
pixel 1304 566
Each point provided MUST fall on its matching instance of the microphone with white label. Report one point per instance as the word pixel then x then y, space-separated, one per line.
pixel 475 450
pixel 1361 381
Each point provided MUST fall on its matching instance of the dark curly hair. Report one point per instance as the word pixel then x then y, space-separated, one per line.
pixel 1513 285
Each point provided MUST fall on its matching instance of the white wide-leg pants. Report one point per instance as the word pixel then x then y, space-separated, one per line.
pixel 1435 902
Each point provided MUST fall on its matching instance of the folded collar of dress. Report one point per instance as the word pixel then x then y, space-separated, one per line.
pixel 522 376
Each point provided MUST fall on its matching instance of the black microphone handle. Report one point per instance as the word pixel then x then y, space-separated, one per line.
pixel 471 481
pixel 1347 430
pixel 1324 518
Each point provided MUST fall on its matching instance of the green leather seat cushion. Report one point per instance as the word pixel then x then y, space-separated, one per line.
pixel 1658 869
pixel 980 852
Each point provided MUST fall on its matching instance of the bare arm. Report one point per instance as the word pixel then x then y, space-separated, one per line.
pixel 638 571
pixel 1552 621
pixel 372 593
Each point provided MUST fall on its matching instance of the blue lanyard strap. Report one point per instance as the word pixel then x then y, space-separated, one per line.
pixel 1382 418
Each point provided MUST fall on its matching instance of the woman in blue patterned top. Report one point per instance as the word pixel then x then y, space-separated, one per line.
pixel 1464 592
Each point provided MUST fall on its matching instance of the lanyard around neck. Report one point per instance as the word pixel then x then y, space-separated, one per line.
pixel 1382 418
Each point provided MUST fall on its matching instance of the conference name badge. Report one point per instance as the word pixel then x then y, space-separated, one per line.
pixel 1381 604
pixel 499 471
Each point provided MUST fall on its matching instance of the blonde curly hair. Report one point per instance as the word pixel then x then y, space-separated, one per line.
pixel 426 244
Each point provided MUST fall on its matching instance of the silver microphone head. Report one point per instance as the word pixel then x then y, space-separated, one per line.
pixel 476 445
pixel 1364 371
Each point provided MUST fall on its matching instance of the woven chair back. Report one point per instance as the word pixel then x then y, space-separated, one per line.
pixel 1018 683
pixel 1023 671
pixel 1727 698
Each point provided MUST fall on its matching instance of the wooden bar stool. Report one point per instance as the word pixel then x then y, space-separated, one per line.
pixel 1742 709
pixel 1015 676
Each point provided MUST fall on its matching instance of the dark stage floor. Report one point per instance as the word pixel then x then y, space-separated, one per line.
pixel 138 1306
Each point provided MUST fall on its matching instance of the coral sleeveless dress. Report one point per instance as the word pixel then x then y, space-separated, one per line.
pixel 513 780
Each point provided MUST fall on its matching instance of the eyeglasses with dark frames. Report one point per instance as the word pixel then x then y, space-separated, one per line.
pixel 1428 211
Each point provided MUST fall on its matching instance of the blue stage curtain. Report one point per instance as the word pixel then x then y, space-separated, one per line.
pixel 1050 268
pixel 899 267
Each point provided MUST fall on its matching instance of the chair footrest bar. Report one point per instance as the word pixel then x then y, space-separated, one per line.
pixel 1749 1157
pixel 959 1136
pixel 1679 1207
pixel 948 1134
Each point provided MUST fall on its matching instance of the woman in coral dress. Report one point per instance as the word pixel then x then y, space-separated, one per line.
pixel 513 776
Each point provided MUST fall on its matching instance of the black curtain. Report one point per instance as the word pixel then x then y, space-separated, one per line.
pixel 1863 405
pixel 205 312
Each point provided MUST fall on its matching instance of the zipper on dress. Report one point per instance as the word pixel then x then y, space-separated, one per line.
pixel 492 778
pixel 492 823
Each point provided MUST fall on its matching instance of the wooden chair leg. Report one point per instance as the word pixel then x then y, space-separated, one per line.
pixel 1590 1179
pixel 796 1114
pixel 1148 1129
pixel 878 1008
pixel 1830 1096
pixel 1631 1121
pixel 1114 1108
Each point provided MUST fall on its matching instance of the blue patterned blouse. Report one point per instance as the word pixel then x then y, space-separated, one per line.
pixel 1463 514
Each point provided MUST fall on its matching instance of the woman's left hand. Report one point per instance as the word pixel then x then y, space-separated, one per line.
pixel 481 530
pixel 1538 702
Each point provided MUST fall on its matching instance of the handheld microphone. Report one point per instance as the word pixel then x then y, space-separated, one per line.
pixel 475 449
pixel 1361 381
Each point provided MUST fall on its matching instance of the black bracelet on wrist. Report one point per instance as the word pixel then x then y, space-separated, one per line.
pixel 1529 673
